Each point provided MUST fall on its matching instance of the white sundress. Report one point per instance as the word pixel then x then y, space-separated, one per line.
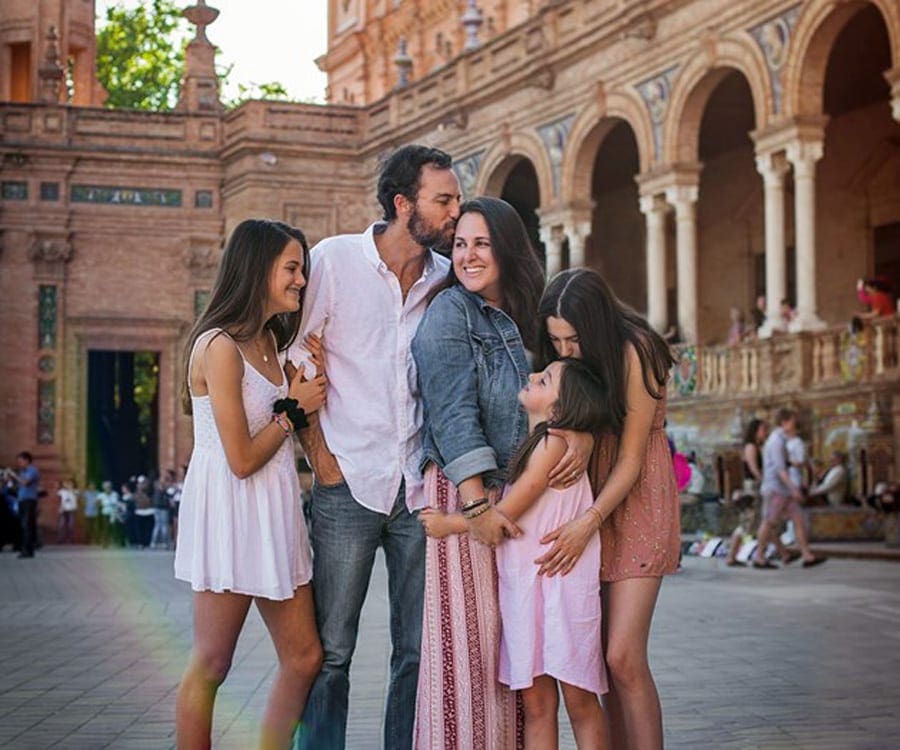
pixel 247 536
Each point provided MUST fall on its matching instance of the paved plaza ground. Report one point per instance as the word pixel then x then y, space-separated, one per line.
pixel 94 641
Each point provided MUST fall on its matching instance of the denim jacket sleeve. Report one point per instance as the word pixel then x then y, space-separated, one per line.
pixel 449 383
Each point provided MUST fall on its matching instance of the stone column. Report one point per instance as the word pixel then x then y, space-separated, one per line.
pixel 577 232
pixel 893 78
pixel 803 155
pixel 654 209
pixel 684 199
pixel 552 237
pixel 773 167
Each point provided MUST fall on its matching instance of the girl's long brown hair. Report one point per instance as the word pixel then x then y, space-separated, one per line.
pixel 238 297
pixel 583 406
pixel 605 325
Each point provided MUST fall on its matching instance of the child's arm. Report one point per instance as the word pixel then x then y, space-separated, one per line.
pixel 439 524
pixel 532 483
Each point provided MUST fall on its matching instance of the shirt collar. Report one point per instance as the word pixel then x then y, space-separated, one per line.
pixel 370 250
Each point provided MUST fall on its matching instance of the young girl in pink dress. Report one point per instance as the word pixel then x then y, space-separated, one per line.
pixel 550 625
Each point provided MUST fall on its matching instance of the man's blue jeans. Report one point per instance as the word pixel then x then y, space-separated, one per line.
pixel 345 537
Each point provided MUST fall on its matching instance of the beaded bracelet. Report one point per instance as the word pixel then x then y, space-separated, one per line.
pixel 473 503
pixel 475 508
pixel 477 512
pixel 284 423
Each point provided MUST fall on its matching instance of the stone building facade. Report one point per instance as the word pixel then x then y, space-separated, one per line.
pixel 699 153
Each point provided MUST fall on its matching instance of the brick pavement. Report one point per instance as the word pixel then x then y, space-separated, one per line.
pixel 94 642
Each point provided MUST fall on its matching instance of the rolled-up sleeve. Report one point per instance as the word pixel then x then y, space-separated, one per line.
pixel 448 379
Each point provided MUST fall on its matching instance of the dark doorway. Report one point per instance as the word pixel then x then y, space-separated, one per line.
pixel 521 191
pixel 122 415
pixel 887 254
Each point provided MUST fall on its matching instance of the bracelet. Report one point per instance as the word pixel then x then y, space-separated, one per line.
pixel 291 409
pixel 475 508
pixel 284 423
pixel 597 514
pixel 473 503
pixel 477 512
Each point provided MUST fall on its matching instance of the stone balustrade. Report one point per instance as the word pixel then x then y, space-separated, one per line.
pixel 52 125
pixel 788 364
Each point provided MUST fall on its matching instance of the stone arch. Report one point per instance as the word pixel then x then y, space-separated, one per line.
pixel 696 83
pixel 818 27
pixel 502 158
pixel 589 130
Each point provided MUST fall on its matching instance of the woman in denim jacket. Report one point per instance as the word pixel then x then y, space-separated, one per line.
pixel 470 352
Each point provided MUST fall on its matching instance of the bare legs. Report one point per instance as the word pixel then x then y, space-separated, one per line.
pixel 632 704
pixel 541 702
pixel 292 626
pixel 218 619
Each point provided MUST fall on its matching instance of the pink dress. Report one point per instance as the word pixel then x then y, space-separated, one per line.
pixel 550 625
pixel 460 704
pixel 642 536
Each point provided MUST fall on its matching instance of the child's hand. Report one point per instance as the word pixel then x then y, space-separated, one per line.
pixel 310 394
pixel 436 523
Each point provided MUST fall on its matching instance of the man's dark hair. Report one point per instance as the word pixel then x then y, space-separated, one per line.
pixel 400 174
pixel 784 415
pixel 26 455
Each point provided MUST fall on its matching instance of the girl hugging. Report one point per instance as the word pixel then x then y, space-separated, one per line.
pixel 550 625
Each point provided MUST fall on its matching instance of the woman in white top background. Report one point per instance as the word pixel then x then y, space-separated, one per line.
pixel 241 534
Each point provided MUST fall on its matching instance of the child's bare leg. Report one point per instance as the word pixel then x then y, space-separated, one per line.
pixel 541 703
pixel 587 717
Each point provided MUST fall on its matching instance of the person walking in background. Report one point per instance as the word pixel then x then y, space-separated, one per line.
pixel 92 516
pixel 242 536
pixel 160 537
pixel 780 494
pixel 550 639
pixel 68 506
pixel 143 513
pixel 636 506
pixel 749 501
pixel 368 295
pixel 111 532
pixel 27 479
pixel 470 352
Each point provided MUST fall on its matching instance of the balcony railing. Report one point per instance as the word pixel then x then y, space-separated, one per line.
pixel 790 363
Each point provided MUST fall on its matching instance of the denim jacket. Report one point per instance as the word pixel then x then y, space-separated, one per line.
pixel 471 364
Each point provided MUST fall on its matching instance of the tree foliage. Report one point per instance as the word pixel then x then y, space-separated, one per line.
pixel 140 55
pixel 140 59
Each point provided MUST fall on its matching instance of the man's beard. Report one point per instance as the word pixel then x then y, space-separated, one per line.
pixel 428 236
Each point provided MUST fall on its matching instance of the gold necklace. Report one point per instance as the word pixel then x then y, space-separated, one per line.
pixel 261 352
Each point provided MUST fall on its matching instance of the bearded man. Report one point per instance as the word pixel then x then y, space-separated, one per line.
pixel 365 298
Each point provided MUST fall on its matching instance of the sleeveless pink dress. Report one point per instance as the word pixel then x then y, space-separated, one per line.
pixel 550 625
pixel 642 536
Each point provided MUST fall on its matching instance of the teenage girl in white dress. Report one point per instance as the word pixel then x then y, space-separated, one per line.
pixel 241 533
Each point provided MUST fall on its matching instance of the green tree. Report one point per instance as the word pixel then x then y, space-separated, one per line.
pixel 140 55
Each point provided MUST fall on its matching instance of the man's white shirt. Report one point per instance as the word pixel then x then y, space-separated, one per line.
pixel 372 420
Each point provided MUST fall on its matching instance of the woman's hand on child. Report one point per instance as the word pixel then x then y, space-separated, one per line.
pixel 579 446
pixel 310 394
pixel 569 541
pixel 492 527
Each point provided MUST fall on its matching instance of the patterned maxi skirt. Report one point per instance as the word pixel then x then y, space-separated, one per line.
pixel 460 705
